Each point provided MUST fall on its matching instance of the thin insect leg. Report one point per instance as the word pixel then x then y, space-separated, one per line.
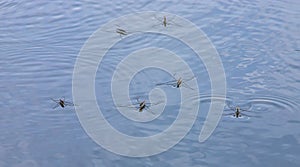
pixel 187 86
pixel 171 81
pixel 127 106
pixel 137 103
pixel 166 83
pixel 246 107
pixel 246 115
pixel 151 112
pixel 69 103
pixel 147 108
pixel 148 104
pixel 131 103
pixel 170 19
pixel 244 110
pixel 159 84
pixel 228 114
pixel 172 84
pixel 173 23
pixel 174 76
pixel 157 18
pixel 56 105
pixel 137 99
pixel 186 80
pixel 229 109
pixel 229 105
pixel 159 102
pixel 56 101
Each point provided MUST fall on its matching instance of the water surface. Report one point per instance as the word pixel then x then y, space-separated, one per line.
pixel 257 42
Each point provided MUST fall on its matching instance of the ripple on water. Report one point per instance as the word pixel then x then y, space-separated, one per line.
pixel 256 40
pixel 274 102
pixel 259 106
pixel 7 5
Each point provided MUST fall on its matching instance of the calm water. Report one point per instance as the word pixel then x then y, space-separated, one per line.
pixel 257 42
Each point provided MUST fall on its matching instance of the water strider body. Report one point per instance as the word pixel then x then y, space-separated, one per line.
pixel 237 112
pixel 164 21
pixel 142 106
pixel 179 82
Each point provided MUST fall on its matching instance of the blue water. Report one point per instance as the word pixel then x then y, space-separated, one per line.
pixel 256 40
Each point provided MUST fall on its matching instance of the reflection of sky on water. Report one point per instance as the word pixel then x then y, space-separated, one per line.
pixel 256 41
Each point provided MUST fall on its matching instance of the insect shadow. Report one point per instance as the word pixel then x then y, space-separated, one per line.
pixel 121 31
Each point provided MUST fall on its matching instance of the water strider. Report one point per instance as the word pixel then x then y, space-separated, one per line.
pixel 142 105
pixel 164 22
pixel 238 112
pixel 177 83
pixel 62 103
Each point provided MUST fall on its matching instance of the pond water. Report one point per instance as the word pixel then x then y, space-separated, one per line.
pixel 258 43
